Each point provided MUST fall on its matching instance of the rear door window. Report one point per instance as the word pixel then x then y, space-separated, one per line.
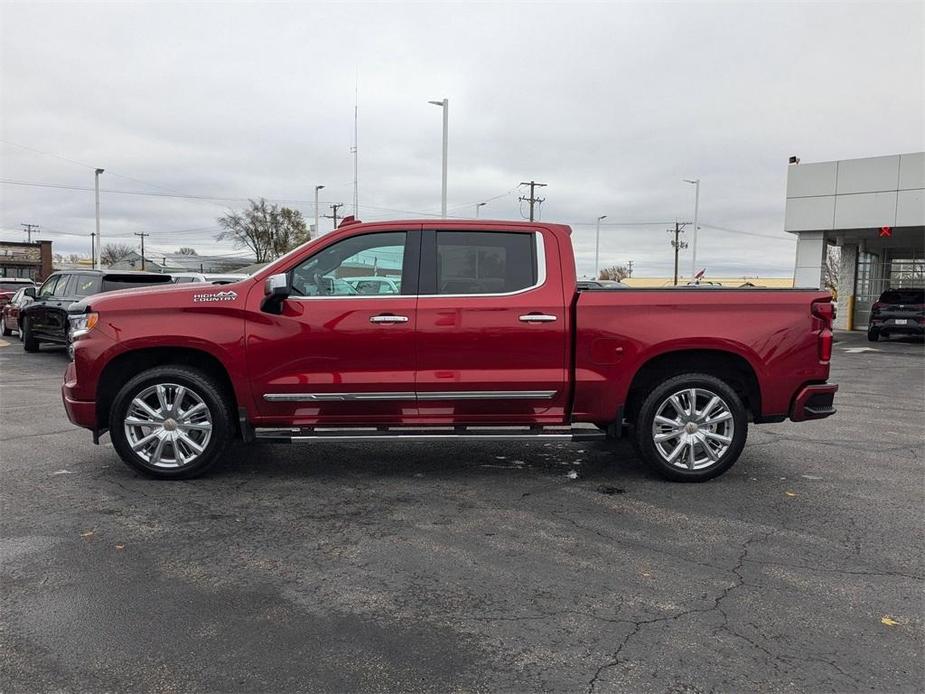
pixel 485 262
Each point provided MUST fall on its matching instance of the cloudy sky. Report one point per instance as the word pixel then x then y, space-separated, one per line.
pixel 196 107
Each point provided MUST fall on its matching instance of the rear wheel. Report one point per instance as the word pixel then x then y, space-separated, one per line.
pixel 6 331
pixel 691 428
pixel 29 343
pixel 873 334
pixel 170 422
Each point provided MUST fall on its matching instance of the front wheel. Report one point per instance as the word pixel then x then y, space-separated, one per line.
pixel 29 343
pixel 6 331
pixel 170 422
pixel 691 428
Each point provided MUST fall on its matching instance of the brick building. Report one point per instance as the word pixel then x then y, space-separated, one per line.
pixel 31 260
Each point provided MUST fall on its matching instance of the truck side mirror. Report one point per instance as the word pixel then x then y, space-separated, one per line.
pixel 276 289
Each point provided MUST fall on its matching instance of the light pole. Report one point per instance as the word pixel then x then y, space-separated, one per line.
pixel 98 258
pixel 317 230
pixel 445 105
pixel 597 247
pixel 477 206
pixel 696 183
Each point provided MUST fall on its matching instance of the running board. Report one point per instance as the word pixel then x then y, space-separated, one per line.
pixel 580 432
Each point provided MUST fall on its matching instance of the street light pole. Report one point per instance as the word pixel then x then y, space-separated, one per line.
pixel 477 206
pixel 317 230
pixel 98 258
pixel 445 105
pixel 597 247
pixel 696 184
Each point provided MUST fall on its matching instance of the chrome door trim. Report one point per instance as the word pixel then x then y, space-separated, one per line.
pixel 425 396
pixel 336 397
pixel 486 395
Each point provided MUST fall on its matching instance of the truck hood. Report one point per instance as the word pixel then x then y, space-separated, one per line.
pixel 180 296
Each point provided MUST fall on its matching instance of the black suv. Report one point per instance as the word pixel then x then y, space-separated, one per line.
pixel 897 312
pixel 45 319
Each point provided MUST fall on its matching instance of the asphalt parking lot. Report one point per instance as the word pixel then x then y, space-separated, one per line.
pixel 438 567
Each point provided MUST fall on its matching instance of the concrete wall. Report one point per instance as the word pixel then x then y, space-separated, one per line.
pixel 856 193
pixel 810 257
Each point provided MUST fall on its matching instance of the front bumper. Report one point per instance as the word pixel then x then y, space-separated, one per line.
pixel 80 412
pixel 814 402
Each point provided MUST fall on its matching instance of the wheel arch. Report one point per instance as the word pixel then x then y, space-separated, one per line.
pixel 730 367
pixel 127 364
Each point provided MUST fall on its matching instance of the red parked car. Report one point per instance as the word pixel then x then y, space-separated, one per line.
pixel 9 314
pixel 10 285
pixel 488 339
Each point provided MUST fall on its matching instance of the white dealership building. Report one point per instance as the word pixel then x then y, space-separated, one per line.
pixel 873 209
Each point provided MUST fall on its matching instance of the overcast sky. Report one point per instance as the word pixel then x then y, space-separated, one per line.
pixel 610 104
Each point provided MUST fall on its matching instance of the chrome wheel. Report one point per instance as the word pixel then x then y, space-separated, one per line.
pixel 693 429
pixel 168 425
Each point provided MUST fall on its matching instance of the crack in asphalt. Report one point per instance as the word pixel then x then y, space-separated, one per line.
pixel 717 601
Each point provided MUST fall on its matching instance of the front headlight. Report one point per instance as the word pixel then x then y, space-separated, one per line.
pixel 82 324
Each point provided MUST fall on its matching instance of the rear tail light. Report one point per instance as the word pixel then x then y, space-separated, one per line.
pixel 823 311
pixel 876 307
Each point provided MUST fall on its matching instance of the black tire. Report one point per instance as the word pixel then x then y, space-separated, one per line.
pixel 873 334
pixel 6 331
pixel 706 385
pixel 205 388
pixel 29 343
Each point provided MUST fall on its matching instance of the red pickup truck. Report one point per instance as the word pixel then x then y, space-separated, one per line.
pixel 479 333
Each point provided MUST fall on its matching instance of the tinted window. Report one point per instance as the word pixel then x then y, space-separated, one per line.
pixel 49 287
pixel 65 286
pixel 86 285
pixel 479 262
pixel 903 296
pixel 358 256
pixel 113 282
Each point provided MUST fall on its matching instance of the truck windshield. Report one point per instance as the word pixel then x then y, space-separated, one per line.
pixel 113 282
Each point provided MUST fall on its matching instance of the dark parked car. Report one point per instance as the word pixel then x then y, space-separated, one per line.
pixel 9 314
pixel 897 312
pixel 45 319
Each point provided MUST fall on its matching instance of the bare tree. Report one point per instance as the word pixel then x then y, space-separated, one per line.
pixel 830 269
pixel 186 250
pixel 614 272
pixel 265 229
pixel 114 252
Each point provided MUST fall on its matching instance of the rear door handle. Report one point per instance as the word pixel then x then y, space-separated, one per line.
pixel 538 318
pixel 388 318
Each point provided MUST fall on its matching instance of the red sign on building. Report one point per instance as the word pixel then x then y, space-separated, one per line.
pixel 886 232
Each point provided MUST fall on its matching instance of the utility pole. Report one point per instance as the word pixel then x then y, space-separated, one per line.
pixel 696 183
pixel 29 228
pixel 93 249
pixel 142 235
pixel 334 208
pixel 678 245
pixel 532 199
pixel 629 268
pixel 597 248
pixel 317 228
pixel 99 239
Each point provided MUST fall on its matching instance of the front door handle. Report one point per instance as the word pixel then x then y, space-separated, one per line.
pixel 388 318
pixel 538 318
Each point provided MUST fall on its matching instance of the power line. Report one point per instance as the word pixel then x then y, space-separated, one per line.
pixel 334 208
